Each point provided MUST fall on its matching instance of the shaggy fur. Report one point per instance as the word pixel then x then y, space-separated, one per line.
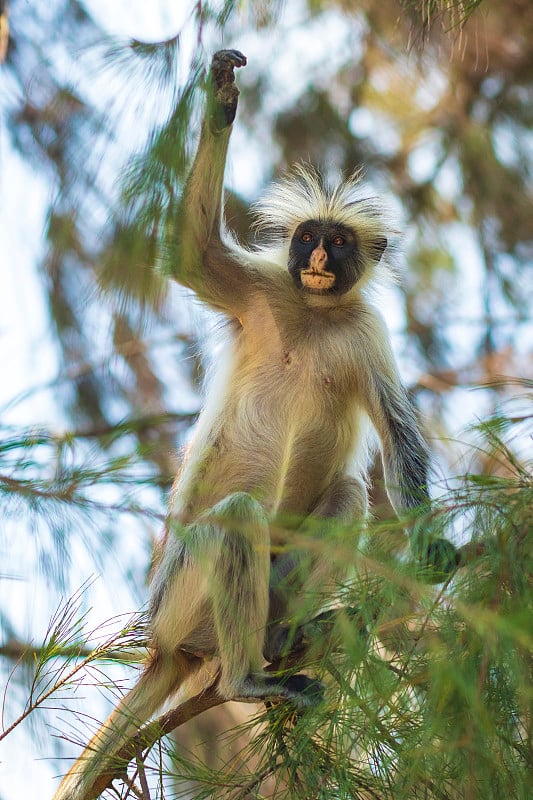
pixel 283 436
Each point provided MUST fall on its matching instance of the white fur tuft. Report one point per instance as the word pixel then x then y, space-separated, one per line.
pixel 303 195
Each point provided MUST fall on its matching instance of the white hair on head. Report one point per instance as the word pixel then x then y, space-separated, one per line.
pixel 303 195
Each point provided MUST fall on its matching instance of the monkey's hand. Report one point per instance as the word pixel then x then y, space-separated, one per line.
pixel 438 558
pixel 224 93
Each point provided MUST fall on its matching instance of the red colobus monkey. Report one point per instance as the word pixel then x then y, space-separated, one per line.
pixel 310 363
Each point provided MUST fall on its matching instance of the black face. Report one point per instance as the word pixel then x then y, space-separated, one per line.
pixel 324 258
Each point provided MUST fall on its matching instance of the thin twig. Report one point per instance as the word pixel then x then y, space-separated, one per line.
pixel 142 773
pixel 22 652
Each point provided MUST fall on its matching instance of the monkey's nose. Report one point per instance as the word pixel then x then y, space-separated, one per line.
pixel 319 258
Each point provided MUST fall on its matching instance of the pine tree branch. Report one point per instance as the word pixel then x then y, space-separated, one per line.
pixel 318 635
pixel 135 425
pixel 23 652
pixel 152 733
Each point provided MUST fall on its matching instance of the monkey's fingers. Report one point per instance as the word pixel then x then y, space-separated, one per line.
pixel 226 93
pixel 223 64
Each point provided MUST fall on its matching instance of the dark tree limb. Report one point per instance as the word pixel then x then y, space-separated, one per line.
pixel 147 737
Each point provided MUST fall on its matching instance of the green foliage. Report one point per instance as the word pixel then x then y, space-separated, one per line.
pixel 63 663
pixel 150 189
pixel 428 688
pixel 436 701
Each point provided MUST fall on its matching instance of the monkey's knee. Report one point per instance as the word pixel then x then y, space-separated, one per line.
pixel 345 499
pixel 238 508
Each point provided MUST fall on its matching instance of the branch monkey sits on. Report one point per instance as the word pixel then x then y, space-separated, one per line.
pixel 310 363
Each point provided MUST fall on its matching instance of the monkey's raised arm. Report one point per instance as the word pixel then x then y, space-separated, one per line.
pixel 196 254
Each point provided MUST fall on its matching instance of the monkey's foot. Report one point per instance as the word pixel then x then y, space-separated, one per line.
pixel 225 92
pixel 299 690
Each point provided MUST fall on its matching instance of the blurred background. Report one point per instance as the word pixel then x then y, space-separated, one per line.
pixel 103 362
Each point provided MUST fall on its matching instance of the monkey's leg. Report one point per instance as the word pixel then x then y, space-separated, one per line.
pixel 162 676
pixel 240 605
pixel 299 580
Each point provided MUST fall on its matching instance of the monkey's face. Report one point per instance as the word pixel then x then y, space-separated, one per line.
pixel 324 258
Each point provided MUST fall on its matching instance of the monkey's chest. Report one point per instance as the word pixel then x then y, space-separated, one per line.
pixel 283 428
pixel 289 431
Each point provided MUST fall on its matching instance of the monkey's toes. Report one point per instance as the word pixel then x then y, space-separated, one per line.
pixel 305 691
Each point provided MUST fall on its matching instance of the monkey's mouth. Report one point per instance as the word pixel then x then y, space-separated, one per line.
pixel 312 279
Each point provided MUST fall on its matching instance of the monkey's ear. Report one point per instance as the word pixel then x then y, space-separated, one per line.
pixel 377 247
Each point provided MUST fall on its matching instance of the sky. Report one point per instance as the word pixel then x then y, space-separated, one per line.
pixel 29 361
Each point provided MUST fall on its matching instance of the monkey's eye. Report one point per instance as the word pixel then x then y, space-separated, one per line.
pixel 338 241
pixel 306 237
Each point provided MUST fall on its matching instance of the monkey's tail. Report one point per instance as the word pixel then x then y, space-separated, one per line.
pixel 161 678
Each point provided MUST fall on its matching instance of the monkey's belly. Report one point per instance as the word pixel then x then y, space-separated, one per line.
pixel 285 467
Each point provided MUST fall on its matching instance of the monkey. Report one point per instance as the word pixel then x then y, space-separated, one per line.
pixel 283 435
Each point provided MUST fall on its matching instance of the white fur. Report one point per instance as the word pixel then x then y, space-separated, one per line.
pixel 302 195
